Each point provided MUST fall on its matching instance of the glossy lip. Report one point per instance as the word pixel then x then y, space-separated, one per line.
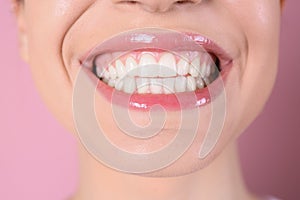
pixel 168 40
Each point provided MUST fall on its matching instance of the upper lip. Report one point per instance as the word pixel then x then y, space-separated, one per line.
pixel 169 40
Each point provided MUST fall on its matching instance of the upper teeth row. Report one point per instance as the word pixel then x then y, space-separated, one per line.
pixel 147 66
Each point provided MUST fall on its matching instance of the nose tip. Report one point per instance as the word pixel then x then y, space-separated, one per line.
pixel 158 5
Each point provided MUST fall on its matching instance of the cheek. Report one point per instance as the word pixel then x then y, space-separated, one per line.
pixel 47 23
pixel 263 36
pixel 261 28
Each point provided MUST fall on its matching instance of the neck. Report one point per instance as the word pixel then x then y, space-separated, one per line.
pixel 220 180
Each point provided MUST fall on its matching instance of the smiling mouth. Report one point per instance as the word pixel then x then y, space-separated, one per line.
pixel 156 71
pixel 142 68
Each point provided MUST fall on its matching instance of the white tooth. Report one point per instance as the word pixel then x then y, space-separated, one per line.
pixel 143 85
pixel 120 68
pixel 119 84
pixel 131 66
pixel 200 83
pixel 168 85
pixel 156 85
pixel 149 71
pixel 195 67
pixel 129 85
pixel 167 64
pixel 112 72
pixel 147 59
pixel 152 70
pixel 203 69
pixel 204 65
pixel 183 67
pixel 191 83
pixel 106 74
pixel 193 72
pixel 112 82
pixel 180 84
pixel 99 71
pixel 193 55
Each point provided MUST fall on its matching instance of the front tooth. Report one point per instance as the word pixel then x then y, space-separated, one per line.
pixel 156 86
pixel 147 59
pixel 120 68
pixel 143 85
pixel 129 85
pixel 191 83
pixel 112 72
pixel 167 64
pixel 148 71
pixel 200 83
pixel 195 67
pixel 183 67
pixel 131 66
pixel 168 85
pixel 180 84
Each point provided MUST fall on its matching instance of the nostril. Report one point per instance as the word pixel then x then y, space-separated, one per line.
pixel 180 2
pixel 131 2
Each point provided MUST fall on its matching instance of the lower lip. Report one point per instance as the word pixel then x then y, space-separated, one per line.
pixel 170 102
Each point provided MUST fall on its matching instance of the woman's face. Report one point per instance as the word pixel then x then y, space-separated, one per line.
pixel 56 36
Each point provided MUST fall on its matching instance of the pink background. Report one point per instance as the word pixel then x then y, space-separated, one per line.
pixel 38 157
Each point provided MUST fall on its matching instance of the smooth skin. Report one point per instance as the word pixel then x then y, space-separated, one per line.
pixel 54 34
